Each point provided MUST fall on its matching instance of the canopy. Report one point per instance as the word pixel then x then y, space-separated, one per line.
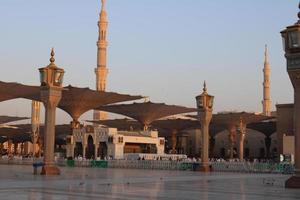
pixel 22 132
pixel 76 101
pixel 121 124
pixel 267 128
pixel 234 118
pixel 15 90
pixel 7 119
pixel 146 112
pixel 17 134
pixel 176 124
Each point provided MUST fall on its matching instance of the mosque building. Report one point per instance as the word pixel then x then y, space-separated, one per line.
pixel 98 141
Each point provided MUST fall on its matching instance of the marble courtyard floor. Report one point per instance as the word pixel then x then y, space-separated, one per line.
pixel 17 182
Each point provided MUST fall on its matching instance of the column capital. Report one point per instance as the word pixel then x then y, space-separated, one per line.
pixel 51 96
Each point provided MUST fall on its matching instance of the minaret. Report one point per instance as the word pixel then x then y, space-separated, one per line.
pixel 101 70
pixel 267 99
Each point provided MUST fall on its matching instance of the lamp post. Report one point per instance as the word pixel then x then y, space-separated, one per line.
pixel 205 107
pixel 51 88
pixel 291 45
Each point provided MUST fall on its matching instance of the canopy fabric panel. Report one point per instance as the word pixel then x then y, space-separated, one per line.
pixel 76 101
pixel 147 112
pixel 176 124
pixel 234 118
pixel 121 124
pixel 10 90
pixel 7 119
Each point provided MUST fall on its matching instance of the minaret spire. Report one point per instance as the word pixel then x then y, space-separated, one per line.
pixel 266 92
pixel 101 71
pixel 266 63
pixel 103 5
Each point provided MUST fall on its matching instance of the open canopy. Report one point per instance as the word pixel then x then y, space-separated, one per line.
pixel 176 124
pixel 121 124
pixel 267 127
pixel 22 132
pixel 16 90
pixel 234 118
pixel 147 112
pixel 7 119
pixel 19 133
pixel 76 101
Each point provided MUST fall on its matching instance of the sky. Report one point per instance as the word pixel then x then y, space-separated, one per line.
pixel 163 49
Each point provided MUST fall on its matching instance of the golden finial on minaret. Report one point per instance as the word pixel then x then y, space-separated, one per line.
pixel 204 87
pixel 52 59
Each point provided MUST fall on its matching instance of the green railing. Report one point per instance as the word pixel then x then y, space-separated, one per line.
pixel 247 167
pixel 71 163
pixel 241 167
pixel 99 163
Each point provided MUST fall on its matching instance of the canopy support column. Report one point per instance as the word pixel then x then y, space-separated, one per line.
pixel 232 138
pixel 174 141
pixel 242 127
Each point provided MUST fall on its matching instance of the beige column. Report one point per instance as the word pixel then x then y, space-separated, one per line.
pixel 22 148
pixel 242 127
pixel 205 118
pixel 294 181
pixel 96 151
pixel 84 150
pixel 232 138
pixel 50 97
pixel 1 147
pixel 297 130
pixel 174 140
pixel 184 143
pixel 41 147
pixel 73 150
pixel 15 148
pixel 9 146
pixel 35 124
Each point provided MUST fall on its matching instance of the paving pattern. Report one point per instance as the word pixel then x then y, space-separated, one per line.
pixel 17 182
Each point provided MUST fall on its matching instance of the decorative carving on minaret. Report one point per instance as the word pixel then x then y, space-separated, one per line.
pixel 101 71
pixel 266 93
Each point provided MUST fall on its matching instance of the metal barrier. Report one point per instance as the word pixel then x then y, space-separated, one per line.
pixel 150 164
pixel 241 167
pixel 247 167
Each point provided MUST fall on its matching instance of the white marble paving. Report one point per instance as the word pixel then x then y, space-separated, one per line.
pixel 17 182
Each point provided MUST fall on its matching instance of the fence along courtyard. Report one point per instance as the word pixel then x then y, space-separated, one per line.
pixel 222 166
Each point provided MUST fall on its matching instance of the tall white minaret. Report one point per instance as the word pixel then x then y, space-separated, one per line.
pixel 266 94
pixel 101 71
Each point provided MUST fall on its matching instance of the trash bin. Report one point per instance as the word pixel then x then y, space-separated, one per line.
pixel 196 166
pixel 71 163
pixel 35 167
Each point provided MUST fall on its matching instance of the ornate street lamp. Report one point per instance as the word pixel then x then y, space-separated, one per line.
pixel 291 45
pixel 51 78
pixel 205 107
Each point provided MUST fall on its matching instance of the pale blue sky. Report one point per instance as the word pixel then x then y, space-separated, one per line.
pixel 159 48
